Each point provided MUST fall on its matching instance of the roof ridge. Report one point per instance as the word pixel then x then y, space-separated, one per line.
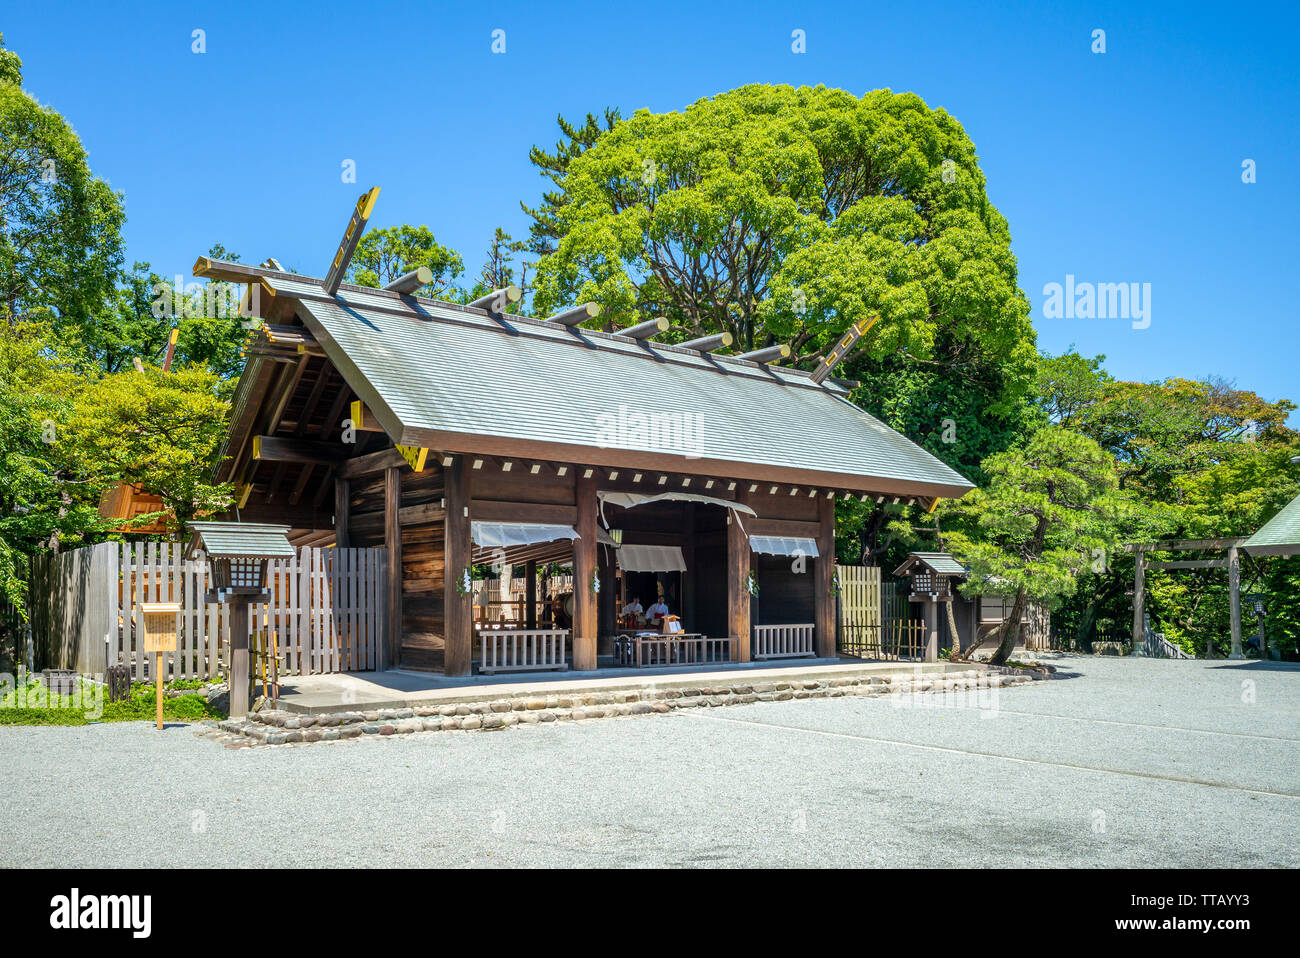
pixel 831 385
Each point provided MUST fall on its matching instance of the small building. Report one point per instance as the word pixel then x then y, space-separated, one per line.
pixel 455 435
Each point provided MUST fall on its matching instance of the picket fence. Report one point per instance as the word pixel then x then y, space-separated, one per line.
pixel 325 611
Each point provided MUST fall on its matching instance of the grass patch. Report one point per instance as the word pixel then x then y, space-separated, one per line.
pixel 33 705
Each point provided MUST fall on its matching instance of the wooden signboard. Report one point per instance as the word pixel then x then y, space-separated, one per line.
pixel 159 636
pixel 160 626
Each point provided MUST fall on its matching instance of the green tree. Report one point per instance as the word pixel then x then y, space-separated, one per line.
pixel 785 214
pixel 1051 510
pixel 60 242
pixel 42 503
pixel 158 430
pixel 544 231
pixel 385 254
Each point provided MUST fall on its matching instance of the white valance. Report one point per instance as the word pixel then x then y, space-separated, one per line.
pixel 784 546
pixel 634 558
pixel 630 499
pixel 504 534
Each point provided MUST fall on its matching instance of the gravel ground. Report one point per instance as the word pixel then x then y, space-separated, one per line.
pixel 1130 763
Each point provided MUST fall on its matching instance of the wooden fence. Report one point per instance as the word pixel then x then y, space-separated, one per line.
pixel 783 641
pixel 326 609
pixel 898 640
pixel 860 596
pixel 522 650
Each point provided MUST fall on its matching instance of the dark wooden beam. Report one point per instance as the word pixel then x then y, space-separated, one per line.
pixel 491 510
pixel 313 399
pixel 393 545
pixel 370 463
pixel 301 485
pixel 342 512
pixel 530 594
pixel 458 614
pixel 280 449
pixel 323 488
pixel 333 418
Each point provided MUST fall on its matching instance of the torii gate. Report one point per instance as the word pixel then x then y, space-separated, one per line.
pixel 1232 562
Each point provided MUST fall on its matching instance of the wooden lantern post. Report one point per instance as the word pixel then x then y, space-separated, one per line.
pixel 238 554
pixel 159 636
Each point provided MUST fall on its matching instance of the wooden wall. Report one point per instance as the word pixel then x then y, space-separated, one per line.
pixel 422 523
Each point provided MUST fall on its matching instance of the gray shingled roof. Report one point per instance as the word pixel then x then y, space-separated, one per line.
pixel 940 562
pixel 245 539
pixel 1280 535
pixel 449 369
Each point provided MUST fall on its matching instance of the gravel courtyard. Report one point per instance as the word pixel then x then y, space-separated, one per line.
pixel 1130 763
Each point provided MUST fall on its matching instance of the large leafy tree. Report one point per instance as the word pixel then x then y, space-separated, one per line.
pixel 1051 509
pixel 158 430
pixel 60 244
pixel 43 502
pixel 783 214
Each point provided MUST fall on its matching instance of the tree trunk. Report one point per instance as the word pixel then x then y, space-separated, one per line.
pixel 952 631
pixel 1010 630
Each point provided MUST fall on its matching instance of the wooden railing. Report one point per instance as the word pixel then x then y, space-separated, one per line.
pixel 783 641
pixel 687 649
pixel 522 650
pixel 895 640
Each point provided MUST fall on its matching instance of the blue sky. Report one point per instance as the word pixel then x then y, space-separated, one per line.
pixel 1116 167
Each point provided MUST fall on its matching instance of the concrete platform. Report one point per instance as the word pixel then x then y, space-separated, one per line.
pixel 313 694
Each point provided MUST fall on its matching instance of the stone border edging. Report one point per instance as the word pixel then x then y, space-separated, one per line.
pixel 283 728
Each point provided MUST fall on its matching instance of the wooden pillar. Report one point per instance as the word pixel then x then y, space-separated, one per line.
pixel 458 612
pixel 931 630
pixel 1139 598
pixel 738 565
pixel 688 577
pixel 239 672
pixel 606 601
pixel 584 567
pixel 823 575
pixel 342 513
pixel 393 545
pixel 530 594
pixel 1234 607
